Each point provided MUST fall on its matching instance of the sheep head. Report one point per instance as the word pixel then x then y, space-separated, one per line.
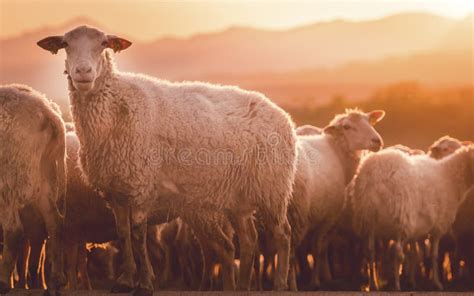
pixel 443 147
pixel 357 129
pixel 85 51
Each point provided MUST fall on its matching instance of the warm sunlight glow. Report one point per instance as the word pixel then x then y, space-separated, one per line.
pixel 447 267
pixel 193 111
pixel 310 260
pixel 147 20
pixel 216 270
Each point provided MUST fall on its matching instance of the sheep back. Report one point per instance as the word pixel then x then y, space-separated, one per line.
pixel 201 144
pixel 398 194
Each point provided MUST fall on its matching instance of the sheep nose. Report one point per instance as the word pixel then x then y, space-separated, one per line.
pixel 83 69
pixel 377 141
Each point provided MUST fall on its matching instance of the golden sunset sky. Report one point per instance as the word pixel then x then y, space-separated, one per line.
pixel 147 19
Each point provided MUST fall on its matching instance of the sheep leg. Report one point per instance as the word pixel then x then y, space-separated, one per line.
pixel 454 260
pixel 12 244
pixel 412 262
pixel 167 270
pixel 319 249
pixel 316 250
pixel 434 261
pixel 146 275
pixel 384 255
pixel 356 259
pixel 34 263
pixel 305 269
pixel 221 245
pixel 125 282
pixel 426 250
pixel 268 260
pixel 71 250
pixel 282 236
pixel 54 223
pixel 398 260
pixel 325 268
pixel 22 265
pixel 159 255
pixel 226 252
pixel 373 281
pixel 44 265
pixel 183 268
pixel 247 234
pixel 82 267
pixel 187 263
pixel 292 271
pixel 256 269
pixel 207 263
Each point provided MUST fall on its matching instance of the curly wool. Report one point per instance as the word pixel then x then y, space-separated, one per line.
pixel 144 138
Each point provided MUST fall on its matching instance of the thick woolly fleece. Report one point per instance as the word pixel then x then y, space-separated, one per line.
pixel 185 145
pixel 32 151
pixel 398 195
pixel 88 218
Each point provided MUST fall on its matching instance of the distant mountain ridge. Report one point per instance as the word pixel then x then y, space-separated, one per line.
pixel 328 48
pixel 326 44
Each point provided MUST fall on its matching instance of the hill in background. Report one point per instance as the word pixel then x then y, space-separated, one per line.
pixel 305 64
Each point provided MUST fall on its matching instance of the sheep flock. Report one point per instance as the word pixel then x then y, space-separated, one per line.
pixel 192 186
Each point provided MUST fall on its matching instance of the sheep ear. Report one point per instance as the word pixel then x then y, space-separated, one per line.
pixel 330 130
pixel 52 43
pixel 375 116
pixel 434 150
pixel 467 143
pixel 117 43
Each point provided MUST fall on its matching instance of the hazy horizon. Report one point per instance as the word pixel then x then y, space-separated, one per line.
pixel 182 19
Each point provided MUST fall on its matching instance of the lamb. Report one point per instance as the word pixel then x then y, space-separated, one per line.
pixel 326 164
pixel 401 197
pixel 307 129
pixel 192 148
pixel 32 154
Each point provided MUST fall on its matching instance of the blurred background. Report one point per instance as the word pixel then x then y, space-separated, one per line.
pixel 413 59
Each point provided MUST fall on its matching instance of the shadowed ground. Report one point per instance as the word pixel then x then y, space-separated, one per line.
pixel 18 292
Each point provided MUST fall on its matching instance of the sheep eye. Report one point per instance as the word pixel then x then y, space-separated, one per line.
pixel 105 44
pixel 346 126
pixel 65 44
